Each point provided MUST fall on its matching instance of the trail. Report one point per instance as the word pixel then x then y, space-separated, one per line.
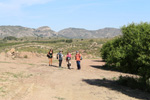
pixel 33 79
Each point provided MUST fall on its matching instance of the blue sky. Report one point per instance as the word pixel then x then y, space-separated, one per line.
pixel 60 14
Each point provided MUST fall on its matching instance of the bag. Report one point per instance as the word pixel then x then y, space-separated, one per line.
pixel 81 58
pixel 48 55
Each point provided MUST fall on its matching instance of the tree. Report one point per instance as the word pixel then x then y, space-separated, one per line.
pixel 130 52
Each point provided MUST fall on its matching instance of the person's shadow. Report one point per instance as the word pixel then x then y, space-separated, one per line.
pixel 48 65
pixel 113 85
pixel 54 66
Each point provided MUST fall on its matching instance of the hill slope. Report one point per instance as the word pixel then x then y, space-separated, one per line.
pixel 83 33
pixel 19 31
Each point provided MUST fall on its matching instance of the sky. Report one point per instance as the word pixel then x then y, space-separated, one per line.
pixel 60 14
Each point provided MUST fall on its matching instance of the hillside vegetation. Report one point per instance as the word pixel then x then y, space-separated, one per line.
pixel 89 48
pixel 83 33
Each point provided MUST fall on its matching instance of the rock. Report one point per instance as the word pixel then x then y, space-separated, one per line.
pixel 44 28
pixel 93 44
pixel 12 51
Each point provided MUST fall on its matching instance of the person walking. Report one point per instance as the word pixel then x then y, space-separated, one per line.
pixel 78 58
pixel 50 56
pixel 68 59
pixel 60 57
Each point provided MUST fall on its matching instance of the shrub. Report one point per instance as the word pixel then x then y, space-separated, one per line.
pixel 69 41
pixel 25 56
pixel 130 52
pixel 91 40
pixel 134 83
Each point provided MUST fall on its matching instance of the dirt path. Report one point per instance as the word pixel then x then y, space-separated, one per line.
pixel 33 79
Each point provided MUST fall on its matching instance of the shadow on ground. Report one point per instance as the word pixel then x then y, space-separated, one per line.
pixel 113 85
pixel 98 61
pixel 104 67
pixel 48 65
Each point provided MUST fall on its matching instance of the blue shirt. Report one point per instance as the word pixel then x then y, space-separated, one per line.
pixel 60 55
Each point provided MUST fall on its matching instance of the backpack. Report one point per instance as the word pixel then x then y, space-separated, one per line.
pixel 60 56
pixel 80 57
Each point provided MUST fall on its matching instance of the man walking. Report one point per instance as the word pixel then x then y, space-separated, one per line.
pixel 60 57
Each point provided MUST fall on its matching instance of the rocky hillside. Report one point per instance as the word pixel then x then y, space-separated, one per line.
pixel 83 33
pixel 45 31
pixel 19 31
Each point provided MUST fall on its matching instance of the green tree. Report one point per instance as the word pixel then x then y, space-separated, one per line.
pixel 130 52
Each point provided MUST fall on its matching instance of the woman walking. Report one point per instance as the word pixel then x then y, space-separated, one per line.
pixel 68 60
pixel 78 58
pixel 50 57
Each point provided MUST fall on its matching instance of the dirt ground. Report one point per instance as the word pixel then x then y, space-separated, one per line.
pixel 33 79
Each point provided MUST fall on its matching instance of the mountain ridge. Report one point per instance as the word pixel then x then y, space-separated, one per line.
pixel 46 31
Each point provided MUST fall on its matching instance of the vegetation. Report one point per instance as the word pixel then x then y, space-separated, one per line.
pixel 89 47
pixel 25 56
pixel 5 45
pixel 10 38
pixel 69 41
pixel 52 41
pixel 134 83
pixel 130 52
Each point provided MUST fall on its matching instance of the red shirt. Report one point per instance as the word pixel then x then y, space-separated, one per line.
pixel 78 56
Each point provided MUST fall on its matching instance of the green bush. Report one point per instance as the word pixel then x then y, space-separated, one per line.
pixel 91 40
pixel 25 56
pixel 130 52
pixel 69 41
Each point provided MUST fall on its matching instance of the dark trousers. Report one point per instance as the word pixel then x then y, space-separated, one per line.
pixel 78 65
pixel 60 62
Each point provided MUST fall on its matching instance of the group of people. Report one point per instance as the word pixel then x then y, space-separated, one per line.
pixel 68 57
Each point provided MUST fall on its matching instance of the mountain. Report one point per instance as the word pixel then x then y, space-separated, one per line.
pixel 45 31
pixel 19 31
pixel 75 33
pixel 83 33
pixel 108 32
